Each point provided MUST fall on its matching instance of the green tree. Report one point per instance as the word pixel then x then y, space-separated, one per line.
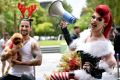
pixel 113 4
pixel 85 17
pixel 10 17
pixel 87 11
pixel 6 11
pixel 45 24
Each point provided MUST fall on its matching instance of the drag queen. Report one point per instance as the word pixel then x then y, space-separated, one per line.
pixel 94 47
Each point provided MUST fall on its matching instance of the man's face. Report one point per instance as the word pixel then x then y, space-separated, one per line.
pixel 77 30
pixel 5 36
pixel 25 28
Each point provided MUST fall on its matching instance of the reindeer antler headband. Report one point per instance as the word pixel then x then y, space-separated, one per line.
pixel 23 8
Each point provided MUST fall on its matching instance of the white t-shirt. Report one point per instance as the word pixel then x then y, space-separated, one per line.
pixel 26 52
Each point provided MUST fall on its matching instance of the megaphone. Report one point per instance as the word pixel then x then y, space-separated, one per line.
pixel 56 9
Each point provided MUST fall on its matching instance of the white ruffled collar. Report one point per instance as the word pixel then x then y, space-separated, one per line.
pixel 96 48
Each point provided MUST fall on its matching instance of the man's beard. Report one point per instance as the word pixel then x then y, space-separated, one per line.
pixel 24 33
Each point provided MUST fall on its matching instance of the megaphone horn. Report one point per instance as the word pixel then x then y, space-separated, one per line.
pixel 56 9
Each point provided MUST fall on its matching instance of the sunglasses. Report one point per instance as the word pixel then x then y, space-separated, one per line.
pixel 97 18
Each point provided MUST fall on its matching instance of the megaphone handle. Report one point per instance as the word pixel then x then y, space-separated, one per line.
pixel 69 18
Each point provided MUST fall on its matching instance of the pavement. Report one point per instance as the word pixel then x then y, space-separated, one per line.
pixel 49 63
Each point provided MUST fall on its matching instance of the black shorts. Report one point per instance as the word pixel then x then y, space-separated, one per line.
pixel 10 77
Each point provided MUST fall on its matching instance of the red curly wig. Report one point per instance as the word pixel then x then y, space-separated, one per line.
pixel 104 12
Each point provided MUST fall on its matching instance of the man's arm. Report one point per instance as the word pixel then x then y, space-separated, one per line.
pixel 36 53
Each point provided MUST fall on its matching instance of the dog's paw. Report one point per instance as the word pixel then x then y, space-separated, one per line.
pixel 3 57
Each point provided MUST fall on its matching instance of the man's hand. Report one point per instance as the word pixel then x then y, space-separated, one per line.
pixel 14 62
pixel 4 57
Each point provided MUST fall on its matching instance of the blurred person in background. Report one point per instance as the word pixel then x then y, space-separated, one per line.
pixel 117 42
pixel 5 37
pixel 76 32
pixel 3 40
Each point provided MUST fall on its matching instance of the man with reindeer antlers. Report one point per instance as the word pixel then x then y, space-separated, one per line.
pixel 31 55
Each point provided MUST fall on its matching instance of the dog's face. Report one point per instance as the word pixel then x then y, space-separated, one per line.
pixel 17 40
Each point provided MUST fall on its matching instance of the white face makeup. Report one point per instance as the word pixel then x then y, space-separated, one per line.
pixel 97 22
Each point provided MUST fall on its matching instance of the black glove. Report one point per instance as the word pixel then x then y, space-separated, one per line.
pixel 67 37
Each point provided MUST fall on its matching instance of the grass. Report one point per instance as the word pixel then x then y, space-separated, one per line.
pixel 51 42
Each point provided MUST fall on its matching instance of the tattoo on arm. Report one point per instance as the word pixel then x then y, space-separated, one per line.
pixel 36 52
